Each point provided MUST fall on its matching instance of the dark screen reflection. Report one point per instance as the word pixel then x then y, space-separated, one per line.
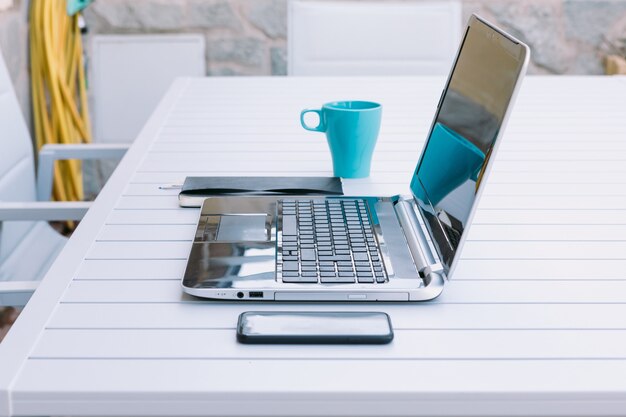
pixel 466 126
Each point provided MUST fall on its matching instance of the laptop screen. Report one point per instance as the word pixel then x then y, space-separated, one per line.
pixel 469 119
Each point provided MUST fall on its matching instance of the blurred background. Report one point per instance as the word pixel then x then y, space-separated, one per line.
pixel 249 37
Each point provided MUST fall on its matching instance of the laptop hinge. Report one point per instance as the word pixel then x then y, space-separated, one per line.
pixel 425 258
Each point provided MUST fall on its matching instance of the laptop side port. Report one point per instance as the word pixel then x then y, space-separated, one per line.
pixel 256 294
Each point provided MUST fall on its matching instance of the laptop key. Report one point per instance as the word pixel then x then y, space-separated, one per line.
pixel 289 225
pixel 335 258
pixel 307 254
pixel 361 256
pixel 365 280
pixel 290 266
pixel 300 280
pixel 337 280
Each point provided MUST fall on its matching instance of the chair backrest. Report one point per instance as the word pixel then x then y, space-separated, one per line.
pixel 129 75
pixel 372 38
pixel 17 169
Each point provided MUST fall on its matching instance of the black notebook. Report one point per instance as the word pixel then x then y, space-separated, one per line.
pixel 196 189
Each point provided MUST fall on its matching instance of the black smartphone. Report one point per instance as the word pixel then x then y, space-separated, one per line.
pixel 312 327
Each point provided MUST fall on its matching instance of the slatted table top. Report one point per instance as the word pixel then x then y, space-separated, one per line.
pixel 533 321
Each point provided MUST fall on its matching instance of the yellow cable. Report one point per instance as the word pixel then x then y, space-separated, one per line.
pixel 58 84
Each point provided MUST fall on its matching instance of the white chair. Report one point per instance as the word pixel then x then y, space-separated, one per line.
pixel 28 245
pixel 130 73
pixel 372 38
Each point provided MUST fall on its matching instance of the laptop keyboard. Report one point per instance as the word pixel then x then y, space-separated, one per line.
pixel 328 241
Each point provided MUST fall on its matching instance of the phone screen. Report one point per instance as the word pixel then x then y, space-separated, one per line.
pixel 314 327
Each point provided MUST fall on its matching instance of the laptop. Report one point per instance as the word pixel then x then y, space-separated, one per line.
pixel 398 248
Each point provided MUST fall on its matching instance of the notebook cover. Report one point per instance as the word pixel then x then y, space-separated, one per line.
pixel 196 189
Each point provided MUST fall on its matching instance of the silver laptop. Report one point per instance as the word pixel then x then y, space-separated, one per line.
pixel 400 248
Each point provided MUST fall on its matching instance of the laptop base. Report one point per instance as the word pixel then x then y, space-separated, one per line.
pixel 231 260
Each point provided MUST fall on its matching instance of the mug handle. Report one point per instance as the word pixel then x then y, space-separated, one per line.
pixel 321 127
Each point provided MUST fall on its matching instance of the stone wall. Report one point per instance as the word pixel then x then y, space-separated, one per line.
pixel 243 37
pixel 14 47
pixel 249 36
pixel 566 36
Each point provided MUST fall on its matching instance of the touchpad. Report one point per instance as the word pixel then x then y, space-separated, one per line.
pixel 243 227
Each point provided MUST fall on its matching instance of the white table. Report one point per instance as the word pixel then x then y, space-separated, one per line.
pixel 533 322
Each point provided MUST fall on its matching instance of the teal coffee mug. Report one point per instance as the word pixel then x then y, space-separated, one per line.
pixel 351 129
